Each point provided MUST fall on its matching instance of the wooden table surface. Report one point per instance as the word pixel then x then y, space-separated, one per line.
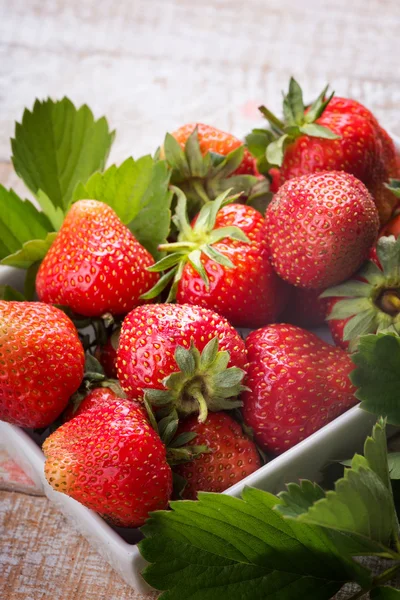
pixel 150 66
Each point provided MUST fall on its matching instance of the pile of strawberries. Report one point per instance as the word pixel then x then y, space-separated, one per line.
pixel 167 398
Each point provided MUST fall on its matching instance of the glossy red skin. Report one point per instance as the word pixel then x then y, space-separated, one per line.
pixel 212 139
pixel 110 459
pixel 298 384
pixel 305 308
pixel 150 335
pixel 41 363
pixel 337 326
pixel 373 161
pixel 95 264
pixel 248 295
pixel 320 228
pixel 233 455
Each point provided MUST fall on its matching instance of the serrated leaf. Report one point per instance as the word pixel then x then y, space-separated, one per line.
pixel 20 222
pixel 348 289
pixel 377 375
pixel 362 323
pixel 349 307
pixel 30 253
pixel 55 214
pixel 242 550
pixel 57 145
pixel 393 460
pixel 138 192
pixel 10 294
pixel 297 499
pixel 360 504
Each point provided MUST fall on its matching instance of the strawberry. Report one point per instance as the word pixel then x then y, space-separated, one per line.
pixel 159 358
pixel 231 457
pixel 214 140
pixel 297 383
pixel 320 227
pixel 110 459
pixel 391 228
pixel 305 308
pixel 223 263
pixel 333 134
pixel 41 363
pixel 369 302
pixel 205 162
pixel 107 355
pixel 95 265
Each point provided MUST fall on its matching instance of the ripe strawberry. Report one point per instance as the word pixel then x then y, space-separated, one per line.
pixel 320 227
pixel 297 382
pixel 205 161
pixel 41 363
pixel 223 263
pixel 214 140
pixel 391 228
pixel 107 355
pixel 110 459
pixel 232 455
pixel 159 357
pixel 334 134
pixel 95 264
pixel 369 302
pixel 305 308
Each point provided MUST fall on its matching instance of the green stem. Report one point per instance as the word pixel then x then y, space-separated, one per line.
pixel 272 118
pixel 177 246
pixel 377 581
pixel 203 409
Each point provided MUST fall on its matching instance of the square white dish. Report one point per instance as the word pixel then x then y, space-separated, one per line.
pixel 339 439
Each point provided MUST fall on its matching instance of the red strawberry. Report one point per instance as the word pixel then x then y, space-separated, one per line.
pixel 223 263
pixel 232 455
pixel 298 384
pixel 320 227
pixel 369 302
pixel 109 458
pixel 95 264
pixel 107 355
pixel 392 227
pixel 41 363
pixel 205 161
pixel 212 139
pixel 334 134
pixel 159 355
pixel 305 308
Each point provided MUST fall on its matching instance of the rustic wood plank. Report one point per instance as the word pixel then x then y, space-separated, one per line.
pixel 41 556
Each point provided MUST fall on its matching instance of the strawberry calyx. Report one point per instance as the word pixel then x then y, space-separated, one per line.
pixel 165 422
pixel 298 120
pixel 203 178
pixel 204 382
pixel 192 243
pixel 371 299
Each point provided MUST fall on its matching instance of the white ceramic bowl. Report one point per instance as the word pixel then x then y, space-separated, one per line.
pixel 339 439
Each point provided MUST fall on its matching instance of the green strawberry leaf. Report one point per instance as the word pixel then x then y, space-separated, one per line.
pixel 257 142
pixel 25 233
pixel 241 549
pixel 138 192
pixel 276 150
pixel 377 375
pixel 385 593
pixel 314 130
pixel 393 460
pixel 297 499
pixel 55 214
pixel 362 502
pixel 31 252
pixel 9 293
pixel 57 145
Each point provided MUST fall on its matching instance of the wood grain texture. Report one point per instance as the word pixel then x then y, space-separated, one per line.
pixel 150 66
